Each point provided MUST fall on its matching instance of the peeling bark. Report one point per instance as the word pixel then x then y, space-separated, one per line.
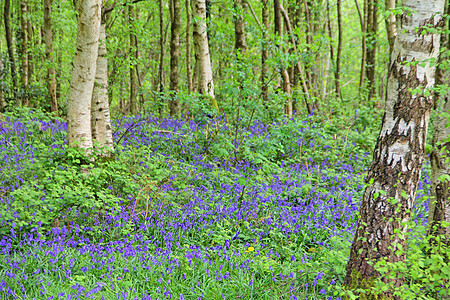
pixel 399 151
pixel 202 57
pixel 83 74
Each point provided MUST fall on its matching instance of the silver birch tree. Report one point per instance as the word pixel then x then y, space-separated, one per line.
pixel 83 73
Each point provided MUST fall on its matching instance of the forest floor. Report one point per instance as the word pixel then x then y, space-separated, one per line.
pixel 185 209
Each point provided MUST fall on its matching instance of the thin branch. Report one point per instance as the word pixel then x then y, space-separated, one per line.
pixel 254 15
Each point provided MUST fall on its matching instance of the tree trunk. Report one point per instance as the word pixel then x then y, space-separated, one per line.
pixel 174 104
pixel 283 72
pixel 161 49
pixel 83 74
pixel 391 26
pixel 265 52
pixel 2 93
pixel 100 116
pixel 202 57
pixel 188 47
pixel 9 45
pixel 133 62
pixel 240 45
pixel 371 43
pixel 399 151
pixel 48 38
pixel 339 49
pixel 363 23
pixel 439 208
pixel 24 49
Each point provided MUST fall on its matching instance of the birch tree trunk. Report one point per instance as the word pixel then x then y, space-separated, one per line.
pixel 399 151
pixel 48 39
pixel 83 74
pixel 100 116
pixel 391 26
pixel 174 104
pixel 202 57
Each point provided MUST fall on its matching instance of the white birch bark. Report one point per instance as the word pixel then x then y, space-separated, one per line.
pixel 100 117
pixel 202 57
pixel 83 73
pixel 398 155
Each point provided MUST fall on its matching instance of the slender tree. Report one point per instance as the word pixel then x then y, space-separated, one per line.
pixel 9 45
pixel 391 26
pixel 264 51
pixel 175 12
pixel 240 44
pixel 83 74
pixel 202 57
pixel 371 44
pixel 188 46
pixel 24 48
pixel 399 151
pixel 48 39
pixel 133 61
pixel 339 49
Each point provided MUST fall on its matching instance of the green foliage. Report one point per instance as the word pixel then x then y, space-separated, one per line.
pixel 426 268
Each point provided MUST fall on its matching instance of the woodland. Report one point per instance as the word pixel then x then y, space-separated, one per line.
pixel 224 149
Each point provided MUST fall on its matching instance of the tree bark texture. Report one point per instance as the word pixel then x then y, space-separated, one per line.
pixel 399 151
pixel 265 52
pixel 391 26
pixel 100 116
pixel 48 39
pixel 24 48
pixel 202 57
pixel 9 45
pixel 188 46
pixel 240 45
pixel 371 44
pixel 161 49
pixel 337 74
pixel 174 104
pixel 83 74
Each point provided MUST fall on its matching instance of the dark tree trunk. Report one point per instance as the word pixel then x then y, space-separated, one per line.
pixel 240 44
pixel 48 38
pixel 264 52
pixel 188 46
pixel 24 49
pixel 398 155
pixel 9 45
pixel 339 49
pixel 174 104
pixel 371 43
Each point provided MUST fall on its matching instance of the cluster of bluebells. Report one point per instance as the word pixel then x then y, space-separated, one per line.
pixel 156 254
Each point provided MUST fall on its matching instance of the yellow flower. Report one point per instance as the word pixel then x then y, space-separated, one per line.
pixel 250 249
pixel 312 250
